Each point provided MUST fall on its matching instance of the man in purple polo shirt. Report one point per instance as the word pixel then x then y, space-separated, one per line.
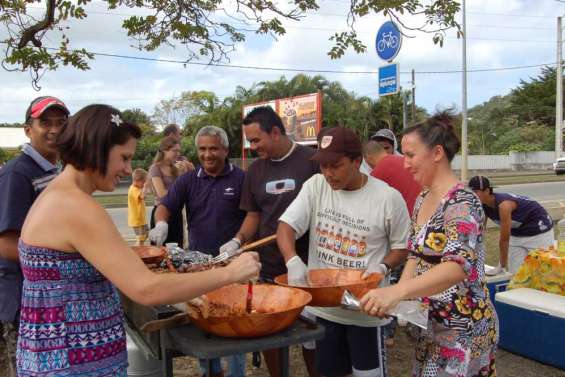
pixel 21 180
pixel 210 195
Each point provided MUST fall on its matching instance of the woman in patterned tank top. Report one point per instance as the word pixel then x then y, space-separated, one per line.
pixel 73 258
pixel 445 269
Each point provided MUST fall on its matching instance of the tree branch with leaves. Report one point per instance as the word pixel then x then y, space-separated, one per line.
pixel 208 29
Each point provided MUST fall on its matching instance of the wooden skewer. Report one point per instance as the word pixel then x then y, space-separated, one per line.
pixel 259 243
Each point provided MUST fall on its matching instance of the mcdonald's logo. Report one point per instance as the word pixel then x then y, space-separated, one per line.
pixel 310 131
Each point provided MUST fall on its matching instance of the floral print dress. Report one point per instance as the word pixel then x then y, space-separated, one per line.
pixel 462 332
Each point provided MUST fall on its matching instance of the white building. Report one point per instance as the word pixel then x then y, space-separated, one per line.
pixel 12 137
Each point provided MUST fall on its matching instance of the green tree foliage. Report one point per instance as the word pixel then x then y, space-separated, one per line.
pixel 196 109
pixel 7 154
pixel 3 156
pixel 147 146
pixel 18 125
pixel 208 29
pixel 534 100
pixel 139 117
pixel 146 151
pixel 523 120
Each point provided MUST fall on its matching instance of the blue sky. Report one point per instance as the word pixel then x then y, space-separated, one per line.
pixel 500 34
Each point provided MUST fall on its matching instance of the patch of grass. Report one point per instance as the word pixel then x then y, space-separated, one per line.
pixel 491 246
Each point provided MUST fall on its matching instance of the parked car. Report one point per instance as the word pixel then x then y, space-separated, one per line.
pixel 559 165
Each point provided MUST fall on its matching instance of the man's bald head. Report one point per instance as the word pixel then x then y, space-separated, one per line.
pixel 373 152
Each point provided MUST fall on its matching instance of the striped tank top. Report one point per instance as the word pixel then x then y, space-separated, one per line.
pixel 71 321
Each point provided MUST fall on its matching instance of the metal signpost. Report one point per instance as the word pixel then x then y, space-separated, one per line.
pixel 387 44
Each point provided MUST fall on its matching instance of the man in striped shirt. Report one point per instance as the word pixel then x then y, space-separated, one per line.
pixel 21 180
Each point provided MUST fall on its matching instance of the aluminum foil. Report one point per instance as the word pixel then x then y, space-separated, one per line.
pixel 350 302
pixel 410 311
pixel 180 256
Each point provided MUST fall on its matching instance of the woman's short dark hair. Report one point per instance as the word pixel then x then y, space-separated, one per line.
pixel 266 117
pixel 438 130
pixel 89 135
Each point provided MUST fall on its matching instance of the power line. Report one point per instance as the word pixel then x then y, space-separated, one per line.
pixel 307 70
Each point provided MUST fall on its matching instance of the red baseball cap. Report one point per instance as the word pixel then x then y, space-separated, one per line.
pixel 336 142
pixel 40 104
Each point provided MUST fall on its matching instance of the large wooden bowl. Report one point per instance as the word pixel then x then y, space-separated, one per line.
pixel 275 309
pixel 327 285
pixel 150 254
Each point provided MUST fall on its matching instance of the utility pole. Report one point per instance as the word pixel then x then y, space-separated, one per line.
pixel 404 109
pixel 413 97
pixel 559 93
pixel 464 101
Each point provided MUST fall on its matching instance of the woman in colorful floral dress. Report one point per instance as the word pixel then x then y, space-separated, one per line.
pixel 73 258
pixel 446 266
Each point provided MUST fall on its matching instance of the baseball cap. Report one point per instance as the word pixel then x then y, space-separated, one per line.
pixel 384 133
pixel 479 182
pixel 336 142
pixel 40 104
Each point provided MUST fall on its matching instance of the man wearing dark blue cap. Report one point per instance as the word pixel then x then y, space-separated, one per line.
pixel 21 180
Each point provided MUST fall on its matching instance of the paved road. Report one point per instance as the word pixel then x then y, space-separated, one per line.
pixel 544 192
pixel 120 218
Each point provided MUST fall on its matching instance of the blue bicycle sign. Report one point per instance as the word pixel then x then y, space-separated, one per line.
pixel 388 41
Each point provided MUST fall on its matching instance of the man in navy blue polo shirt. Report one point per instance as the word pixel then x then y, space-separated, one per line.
pixel 21 180
pixel 210 195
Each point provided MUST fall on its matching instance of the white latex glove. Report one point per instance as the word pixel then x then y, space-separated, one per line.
pixel 381 268
pixel 159 233
pixel 230 246
pixel 496 270
pixel 297 271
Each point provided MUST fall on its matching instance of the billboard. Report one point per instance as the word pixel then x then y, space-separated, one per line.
pixel 301 116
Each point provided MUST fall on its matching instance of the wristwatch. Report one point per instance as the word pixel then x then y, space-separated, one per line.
pixel 387 267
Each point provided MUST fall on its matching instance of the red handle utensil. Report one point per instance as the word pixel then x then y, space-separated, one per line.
pixel 249 303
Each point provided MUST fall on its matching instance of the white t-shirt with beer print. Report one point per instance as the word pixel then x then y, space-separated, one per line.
pixel 348 230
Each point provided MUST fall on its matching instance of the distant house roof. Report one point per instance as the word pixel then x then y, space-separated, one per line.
pixel 12 137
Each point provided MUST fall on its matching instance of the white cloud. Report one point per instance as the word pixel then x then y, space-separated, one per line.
pixel 494 41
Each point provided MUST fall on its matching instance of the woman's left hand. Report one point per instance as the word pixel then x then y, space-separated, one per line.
pixel 378 302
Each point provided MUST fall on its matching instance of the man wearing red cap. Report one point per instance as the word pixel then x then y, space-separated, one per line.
pixel 21 181
pixel 355 222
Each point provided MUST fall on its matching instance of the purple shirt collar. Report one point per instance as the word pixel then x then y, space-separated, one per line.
pixel 227 169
